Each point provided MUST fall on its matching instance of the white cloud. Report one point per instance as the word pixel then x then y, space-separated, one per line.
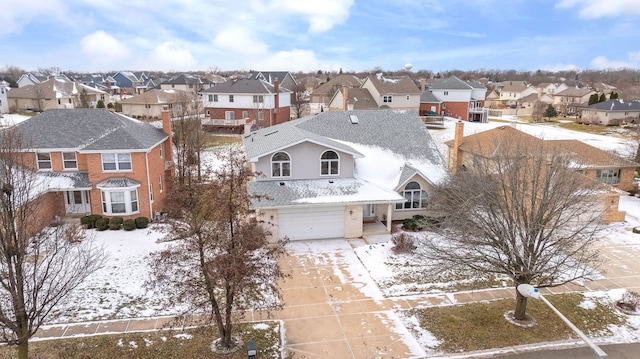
pixel 321 15
pixel 602 62
pixel 169 55
pixel 294 60
pixel 103 50
pixel 16 13
pixel 593 9
pixel 560 67
pixel 240 40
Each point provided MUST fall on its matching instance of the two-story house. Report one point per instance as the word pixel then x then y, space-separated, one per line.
pixel 570 100
pixel 54 93
pixel 285 78
pixel 329 175
pixel 128 83
pixel 187 83
pixel 615 173
pixel 512 92
pixel 457 98
pixel 150 104
pixel 398 94
pixel 320 97
pixel 102 162
pixel 239 101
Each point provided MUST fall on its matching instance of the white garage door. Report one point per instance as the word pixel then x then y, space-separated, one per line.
pixel 311 223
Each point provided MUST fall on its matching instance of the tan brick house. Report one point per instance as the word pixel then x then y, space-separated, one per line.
pixel 100 162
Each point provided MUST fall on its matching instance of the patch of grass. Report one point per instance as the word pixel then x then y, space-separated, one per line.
pixel 481 325
pixel 574 126
pixel 212 140
pixel 150 345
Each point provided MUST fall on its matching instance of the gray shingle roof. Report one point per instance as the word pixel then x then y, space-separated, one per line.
pixel 118 182
pixel 429 97
pixel 450 83
pixel 88 130
pixel 617 105
pixel 246 86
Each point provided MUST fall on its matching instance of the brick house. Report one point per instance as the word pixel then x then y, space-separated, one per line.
pixel 240 100
pixel 459 99
pixel 100 162
pixel 616 174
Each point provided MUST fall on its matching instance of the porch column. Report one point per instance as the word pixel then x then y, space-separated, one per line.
pixel 389 217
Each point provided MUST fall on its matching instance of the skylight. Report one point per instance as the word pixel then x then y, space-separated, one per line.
pixel 353 119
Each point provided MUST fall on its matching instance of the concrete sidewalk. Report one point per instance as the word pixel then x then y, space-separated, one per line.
pixel 333 309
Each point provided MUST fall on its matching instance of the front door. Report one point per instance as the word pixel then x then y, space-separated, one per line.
pixel 76 202
pixel 369 210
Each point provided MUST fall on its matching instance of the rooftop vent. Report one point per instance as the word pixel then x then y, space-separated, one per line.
pixel 330 181
pixel 270 133
pixel 353 119
pixel 282 183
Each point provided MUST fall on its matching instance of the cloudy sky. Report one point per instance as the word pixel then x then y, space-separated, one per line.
pixel 307 35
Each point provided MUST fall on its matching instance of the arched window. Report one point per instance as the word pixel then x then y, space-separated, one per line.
pixel 415 196
pixel 329 163
pixel 280 165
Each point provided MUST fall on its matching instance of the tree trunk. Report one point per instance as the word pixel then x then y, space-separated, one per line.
pixel 23 349
pixel 521 307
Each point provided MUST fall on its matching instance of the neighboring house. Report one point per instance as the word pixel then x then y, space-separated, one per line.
pixel 430 105
pixel 569 101
pixel 33 78
pixel 53 93
pixel 102 162
pixel 187 83
pixel 326 175
pixel 511 92
pixel 352 99
pixel 320 97
pixel 127 82
pixel 238 101
pixel 285 78
pixel 615 173
pixel 459 99
pixel 611 112
pixel 547 88
pixel 4 101
pixel 398 94
pixel 215 78
pixel 601 87
pixel 492 99
pixel 150 104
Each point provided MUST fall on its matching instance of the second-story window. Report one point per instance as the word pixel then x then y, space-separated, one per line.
pixel 280 165
pixel 258 98
pixel 69 161
pixel 387 98
pixel 329 163
pixel 116 161
pixel 230 98
pixel 44 160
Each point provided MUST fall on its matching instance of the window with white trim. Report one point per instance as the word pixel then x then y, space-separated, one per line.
pixel 609 176
pixel 280 165
pixel 258 98
pixel 44 160
pixel 229 115
pixel 230 98
pixel 119 202
pixel 387 98
pixel 116 162
pixel 329 163
pixel 245 114
pixel 415 196
pixel 160 183
pixel 69 161
pixel 261 116
pixel 151 192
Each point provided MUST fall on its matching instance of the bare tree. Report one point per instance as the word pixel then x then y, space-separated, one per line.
pixel 39 265
pixel 523 211
pixel 188 138
pixel 538 111
pixel 221 262
pixel 299 100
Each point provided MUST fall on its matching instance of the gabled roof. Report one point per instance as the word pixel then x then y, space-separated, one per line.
pixel 477 85
pixel 403 85
pixel 270 76
pixel 339 81
pixel 157 96
pixel 429 97
pixel 513 86
pixel 590 156
pixel 244 86
pixel 488 143
pixel 88 130
pixel 617 105
pixel 51 89
pixel 360 98
pixel 186 79
pixel 574 92
pixel 450 83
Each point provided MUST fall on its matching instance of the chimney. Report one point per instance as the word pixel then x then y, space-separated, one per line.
pixel 166 128
pixel 423 85
pixel 276 89
pixel 454 154
pixel 345 97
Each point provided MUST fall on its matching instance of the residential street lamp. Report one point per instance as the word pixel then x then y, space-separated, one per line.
pixel 530 291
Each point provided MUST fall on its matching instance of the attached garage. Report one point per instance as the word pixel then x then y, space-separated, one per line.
pixel 311 223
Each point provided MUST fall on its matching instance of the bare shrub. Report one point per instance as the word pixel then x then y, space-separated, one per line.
pixel 402 242
pixel 629 301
